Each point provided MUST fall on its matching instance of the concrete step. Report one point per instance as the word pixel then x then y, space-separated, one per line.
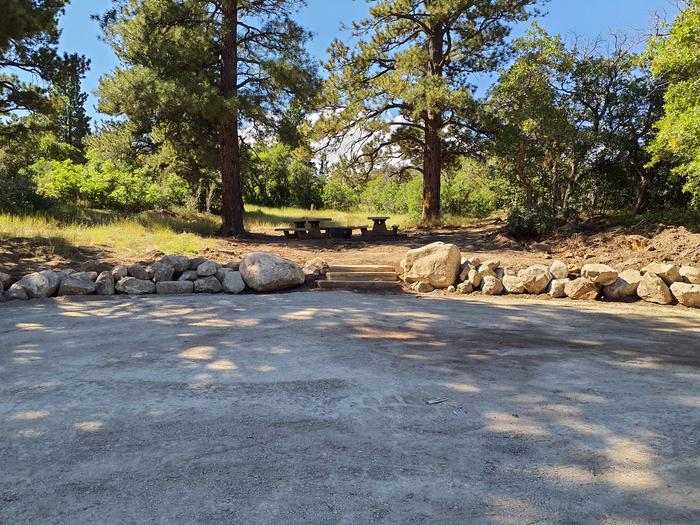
pixel 367 286
pixel 362 276
pixel 363 268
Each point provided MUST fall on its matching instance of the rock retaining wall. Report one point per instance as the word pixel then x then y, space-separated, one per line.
pixel 659 283
pixel 170 275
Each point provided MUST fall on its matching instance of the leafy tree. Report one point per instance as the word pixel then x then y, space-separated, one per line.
pixel 403 91
pixel 196 73
pixel 676 60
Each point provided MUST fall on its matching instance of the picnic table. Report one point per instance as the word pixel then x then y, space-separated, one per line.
pixel 379 224
pixel 302 231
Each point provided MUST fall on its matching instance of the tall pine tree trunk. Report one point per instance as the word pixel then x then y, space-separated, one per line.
pixel 432 166
pixel 432 148
pixel 231 188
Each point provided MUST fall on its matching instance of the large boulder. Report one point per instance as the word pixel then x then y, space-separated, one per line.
pixel 491 286
pixel 669 273
pixel 535 279
pixel 104 284
pixel 134 286
pixel 138 271
pixel 624 286
pixel 557 288
pixel 16 293
pixel 513 284
pixel 437 264
pixel 581 289
pixel 232 282
pixel 40 284
pixel 174 287
pixel 208 284
pixel 161 271
pixel 690 274
pixel 687 294
pixel 559 270
pixel 653 289
pixel 180 263
pixel 601 274
pixel 265 272
pixel 74 286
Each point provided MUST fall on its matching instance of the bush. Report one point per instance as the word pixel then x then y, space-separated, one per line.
pixel 104 184
pixel 339 196
pixel 526 223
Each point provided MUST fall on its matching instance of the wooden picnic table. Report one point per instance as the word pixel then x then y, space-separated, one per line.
pixel 379 224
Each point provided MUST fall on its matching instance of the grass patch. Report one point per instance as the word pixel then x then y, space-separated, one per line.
pixel 670 217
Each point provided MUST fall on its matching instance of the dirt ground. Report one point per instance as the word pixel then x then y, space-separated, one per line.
pixel 628 247
pixel 348 408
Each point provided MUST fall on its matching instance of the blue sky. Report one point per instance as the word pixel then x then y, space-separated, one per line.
pixel 584 18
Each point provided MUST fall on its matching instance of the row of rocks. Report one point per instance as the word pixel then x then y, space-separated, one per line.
pixel 442 266
pixel 259 272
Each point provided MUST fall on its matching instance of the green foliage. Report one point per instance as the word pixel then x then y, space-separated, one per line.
pixel 274 176
pixel 470 191
pixel 530 222
pixel 339 196
pixel 404 89
pixel 105 185
pixel 676 60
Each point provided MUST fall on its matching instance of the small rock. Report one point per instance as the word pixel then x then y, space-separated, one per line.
pixel 559 270
pixel 690 274
pixel 624 286
pixel 423 287
pixel 557 288
pixel 5 280
pixel 464 271
pixel 491 286
pixel 670 273
pixel 315 269
pixel 485 271
pixel 104 284
pixel 535 278
pixel 195 262
pixel 574 269
pixel 601 274
pixel 93 265
pixel 174 287
pixel 233 265
pixel 581 289
pixel 119 272
pixel 189 275
pixel 16 293
pixel 653 289
pixel 180 263
pixel 513 284
pixel 161 271
pixel 138 271
pixel 134 286
pixel 464 288
pixel 207 284
pixel 207 269
pixel 687 294
pixel 492 263
pixel 474 278
pixel 40 284
pixel 232 282
pixel 75 286
pixel 85 276
pixel 474 261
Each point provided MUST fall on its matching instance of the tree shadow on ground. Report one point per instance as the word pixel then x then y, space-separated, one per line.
pixel 314 405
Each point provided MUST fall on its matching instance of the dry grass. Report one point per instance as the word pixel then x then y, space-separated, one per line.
pixel 62 233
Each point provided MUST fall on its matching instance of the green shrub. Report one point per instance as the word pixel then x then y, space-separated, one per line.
pixel 525 223
pixel 339 196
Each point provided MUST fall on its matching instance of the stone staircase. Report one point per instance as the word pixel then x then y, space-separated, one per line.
pixel 362 278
